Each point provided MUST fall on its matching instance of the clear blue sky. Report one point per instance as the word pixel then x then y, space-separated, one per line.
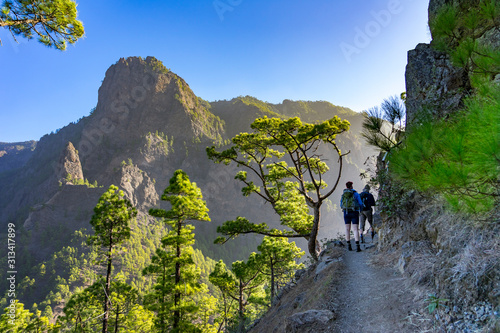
pixel 350 53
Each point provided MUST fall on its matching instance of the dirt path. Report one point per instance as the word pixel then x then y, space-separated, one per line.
pixel 371 298
pixel 346 292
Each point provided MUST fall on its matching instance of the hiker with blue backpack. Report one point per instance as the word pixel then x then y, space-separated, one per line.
pixel 366 213
pixel 351 205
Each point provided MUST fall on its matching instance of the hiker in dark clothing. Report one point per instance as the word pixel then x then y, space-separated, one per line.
pixel 366 212
pixel 351 204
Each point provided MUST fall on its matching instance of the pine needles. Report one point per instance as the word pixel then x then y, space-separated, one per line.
pixel 458 158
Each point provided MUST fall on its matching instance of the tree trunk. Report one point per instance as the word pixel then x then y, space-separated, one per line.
pixel 312 242
pixel 163 320
pixel 241 324
pixel 272 281
pixel 177 295
pixel 106 296
pixel 223 323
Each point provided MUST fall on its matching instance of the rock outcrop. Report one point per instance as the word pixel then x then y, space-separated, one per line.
pixel 69 167
pixel 137 186
pixel 434 87
pixel 305 321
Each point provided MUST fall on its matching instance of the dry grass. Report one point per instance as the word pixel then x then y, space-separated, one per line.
pixel 477 265
pixel 456 256
pixel 385 258
pixel 451 256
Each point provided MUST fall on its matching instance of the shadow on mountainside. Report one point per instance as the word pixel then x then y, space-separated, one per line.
pixel 346 291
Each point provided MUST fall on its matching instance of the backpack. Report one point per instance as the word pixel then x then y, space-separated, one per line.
pixel 348 200
pixel 367 200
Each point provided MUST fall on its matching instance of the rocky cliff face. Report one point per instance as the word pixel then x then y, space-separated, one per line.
pixel 434 86
pixel 139 98
pixel 35 181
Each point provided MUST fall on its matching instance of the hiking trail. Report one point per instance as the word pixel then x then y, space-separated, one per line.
pixel 371 297
pixel 346 292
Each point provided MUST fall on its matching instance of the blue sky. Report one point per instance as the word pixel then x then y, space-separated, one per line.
pixel 350 53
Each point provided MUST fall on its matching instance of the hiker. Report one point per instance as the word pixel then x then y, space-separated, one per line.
pixel 351 204
pixel 366 213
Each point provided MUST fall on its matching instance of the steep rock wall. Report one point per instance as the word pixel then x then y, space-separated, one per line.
pixel 434 86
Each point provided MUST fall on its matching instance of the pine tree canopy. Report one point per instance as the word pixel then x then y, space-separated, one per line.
pixel 178 296
pixel 53 21
pixel 286 170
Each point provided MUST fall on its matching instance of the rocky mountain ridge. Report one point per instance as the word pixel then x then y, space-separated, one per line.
pixel 14 155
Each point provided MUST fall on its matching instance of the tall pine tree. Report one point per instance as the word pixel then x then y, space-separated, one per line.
pixel 111 218
pixel 289 172
pixel 177 278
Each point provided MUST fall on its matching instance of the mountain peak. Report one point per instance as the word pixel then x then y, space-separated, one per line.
pixel 139 96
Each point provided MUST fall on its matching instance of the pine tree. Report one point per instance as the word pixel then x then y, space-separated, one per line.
pixel 383 127
pixel 111 218
pixel 84 308
pixel 290 189
pixel 457 158
pixel 278 258
pixel 249 286
pixel 54 22
pixel 177 278
pixel 243 284
pixel 226 282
